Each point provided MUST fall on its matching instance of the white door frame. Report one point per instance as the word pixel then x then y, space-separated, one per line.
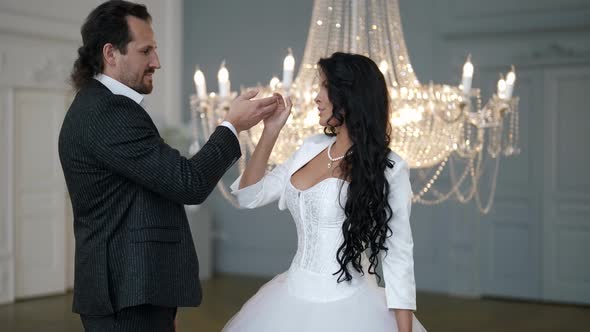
pixel 7 226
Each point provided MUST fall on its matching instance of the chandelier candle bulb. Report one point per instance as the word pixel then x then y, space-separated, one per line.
pixel 223 80
pixel 510 79
pixel 274 82
pixel 501 88
pixel 467 75
pixel 200 84
pixel 288 69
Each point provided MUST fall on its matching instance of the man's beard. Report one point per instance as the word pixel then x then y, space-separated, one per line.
pixel 141 87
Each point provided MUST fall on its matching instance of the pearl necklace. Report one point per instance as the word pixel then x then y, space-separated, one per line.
pixel 330 156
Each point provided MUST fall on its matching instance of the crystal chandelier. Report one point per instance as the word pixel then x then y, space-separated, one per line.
pixel 440 130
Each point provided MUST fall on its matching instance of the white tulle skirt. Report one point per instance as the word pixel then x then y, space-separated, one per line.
pixel 296 301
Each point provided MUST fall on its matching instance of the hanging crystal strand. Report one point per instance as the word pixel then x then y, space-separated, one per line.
pixel 401 58
pixel 194 112
pixel 509 149
pixel 363 42
pixel 194 146
pixel 455 188
pixel 374 28
pixel 331 32
pixel 485 209
pixel 516 115
pixel 211 117
pixel 316 36
pixel 493 146
pixel 473 167
pixel 429 185
pixel 354 26
pixel 247 148
pixel 337 40
pixel 207 120
pixel 389 43
pixel 441 197
pixel 345 21
pixel 512 144
pixel 457 182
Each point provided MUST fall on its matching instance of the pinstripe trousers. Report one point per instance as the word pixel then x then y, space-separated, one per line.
pixel 142 318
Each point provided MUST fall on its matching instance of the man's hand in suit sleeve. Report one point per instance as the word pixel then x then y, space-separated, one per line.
pixel 123 139
pixel 244 112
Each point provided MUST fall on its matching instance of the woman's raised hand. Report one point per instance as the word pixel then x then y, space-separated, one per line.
pixel 278 118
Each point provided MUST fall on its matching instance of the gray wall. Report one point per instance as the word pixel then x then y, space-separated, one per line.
pixel 532 232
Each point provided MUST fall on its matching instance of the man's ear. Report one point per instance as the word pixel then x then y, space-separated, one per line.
pixel 109 54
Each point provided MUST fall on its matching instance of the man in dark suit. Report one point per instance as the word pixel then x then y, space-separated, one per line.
pixel 135 258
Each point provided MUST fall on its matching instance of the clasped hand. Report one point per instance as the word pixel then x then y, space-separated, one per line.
pixel 244 113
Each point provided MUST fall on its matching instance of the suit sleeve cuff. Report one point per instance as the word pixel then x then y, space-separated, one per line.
pixel 231 127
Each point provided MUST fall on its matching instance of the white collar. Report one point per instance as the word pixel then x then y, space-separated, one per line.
pixel 119 88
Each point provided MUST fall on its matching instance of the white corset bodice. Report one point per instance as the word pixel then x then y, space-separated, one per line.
pixel 318 217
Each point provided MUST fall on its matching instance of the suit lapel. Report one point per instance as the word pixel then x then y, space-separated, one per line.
pixel 97 84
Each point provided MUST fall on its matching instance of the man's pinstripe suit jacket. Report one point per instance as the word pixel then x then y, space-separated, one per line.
pixel 127 188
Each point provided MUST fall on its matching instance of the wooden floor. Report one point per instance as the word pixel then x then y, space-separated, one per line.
pixel 223 296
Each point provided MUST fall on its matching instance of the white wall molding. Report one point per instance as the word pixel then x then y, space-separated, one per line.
pixel 2 61
pixel 6 281
pixel 465 17
pixel 522 51
pixel 35 62
pixel 566 235
pixel 7 185
pixel 556 50
pixel 502 8
pixel 173 52
pixel 27 25
pixel 54 69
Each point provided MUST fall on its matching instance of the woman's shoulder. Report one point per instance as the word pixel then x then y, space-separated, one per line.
pixel 399 163
pixel 396 158
pixel 314 140
pixel 317 138
pixel 308 143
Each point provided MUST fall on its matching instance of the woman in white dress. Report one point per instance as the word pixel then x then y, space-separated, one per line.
pixel 350 198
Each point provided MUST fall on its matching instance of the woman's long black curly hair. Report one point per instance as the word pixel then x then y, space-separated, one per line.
pixel 358 93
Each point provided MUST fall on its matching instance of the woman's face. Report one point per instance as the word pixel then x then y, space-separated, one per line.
pixel 323 102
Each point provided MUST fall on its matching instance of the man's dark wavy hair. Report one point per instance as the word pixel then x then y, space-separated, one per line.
pixel 107 23
pixel 358 93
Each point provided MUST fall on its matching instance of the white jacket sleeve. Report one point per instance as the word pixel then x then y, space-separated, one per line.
pixel 398 262
pixel 265 191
